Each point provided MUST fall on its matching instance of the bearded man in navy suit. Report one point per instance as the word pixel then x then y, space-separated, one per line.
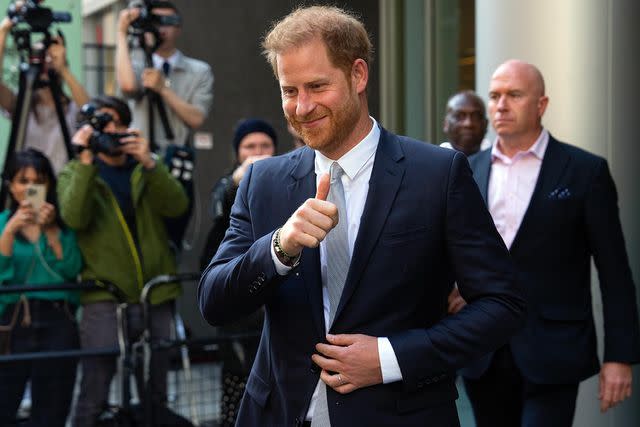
pixel 555 207
pixel 382 351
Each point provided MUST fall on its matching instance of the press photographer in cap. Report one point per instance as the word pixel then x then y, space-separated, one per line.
pixel 115 196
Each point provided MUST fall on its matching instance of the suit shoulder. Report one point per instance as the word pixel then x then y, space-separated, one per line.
pixel 580 155
pixel 196 65
pixel 479 158
pixel 416 149
pixel 278 165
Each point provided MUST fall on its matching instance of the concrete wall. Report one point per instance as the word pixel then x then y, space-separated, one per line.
pixel 587 51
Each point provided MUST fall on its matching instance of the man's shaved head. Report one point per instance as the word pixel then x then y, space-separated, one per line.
pixel 524 69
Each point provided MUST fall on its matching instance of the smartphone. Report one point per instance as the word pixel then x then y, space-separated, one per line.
pixel 36 195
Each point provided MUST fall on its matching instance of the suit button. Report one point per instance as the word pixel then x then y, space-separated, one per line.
pixel 314 368
pixel 298 422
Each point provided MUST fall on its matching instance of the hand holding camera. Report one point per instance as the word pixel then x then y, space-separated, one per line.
pixel 94 135
pixel 126 17
pixel 98 135
pixel 5 26
pixel 138 148
pixel 57 55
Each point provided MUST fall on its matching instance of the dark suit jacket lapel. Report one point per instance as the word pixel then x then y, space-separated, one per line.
pixel 302 187
pixel 384 183
pixel 554 165
pixel 481 173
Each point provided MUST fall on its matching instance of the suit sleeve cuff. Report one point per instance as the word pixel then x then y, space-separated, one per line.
pixel 388 361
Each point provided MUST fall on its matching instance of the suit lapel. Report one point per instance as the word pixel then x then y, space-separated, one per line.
pixel 554 165
pixel 384 183
pixel 481 173
pixel 303 186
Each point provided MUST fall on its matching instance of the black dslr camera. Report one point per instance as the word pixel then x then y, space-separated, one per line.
pixel 37 17
pixel 100 141
pixel 148 22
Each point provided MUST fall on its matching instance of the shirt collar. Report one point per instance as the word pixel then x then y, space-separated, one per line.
pixel 354 160
pixel 537 149
pixel 174 60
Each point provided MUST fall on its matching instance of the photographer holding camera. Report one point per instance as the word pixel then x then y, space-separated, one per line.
pixel 184 84
pixel 115 195
pixel 43 128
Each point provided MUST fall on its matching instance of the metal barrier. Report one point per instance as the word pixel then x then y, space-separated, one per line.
pixel 79 286
pixel 126 351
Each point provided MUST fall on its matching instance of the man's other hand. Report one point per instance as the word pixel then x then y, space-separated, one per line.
pixel 349 362
pixel 615 384
pixel 455 301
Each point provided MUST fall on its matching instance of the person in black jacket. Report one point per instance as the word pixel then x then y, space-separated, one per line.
pixel 555 206
pixel 254 139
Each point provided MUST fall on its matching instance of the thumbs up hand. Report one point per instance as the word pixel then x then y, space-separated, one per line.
pixel 310 223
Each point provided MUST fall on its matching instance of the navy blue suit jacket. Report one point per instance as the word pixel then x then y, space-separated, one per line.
pixel 424 225
pixel 572 217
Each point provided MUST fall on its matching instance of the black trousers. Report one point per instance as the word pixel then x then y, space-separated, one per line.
pixel 53 328
pixel 502 397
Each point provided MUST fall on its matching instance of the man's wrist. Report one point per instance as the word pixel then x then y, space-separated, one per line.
pixel 149 163
pixel 285 258
pixel 85 156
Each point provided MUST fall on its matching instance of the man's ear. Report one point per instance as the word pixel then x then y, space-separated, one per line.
pixel 445 125
pixel 360 75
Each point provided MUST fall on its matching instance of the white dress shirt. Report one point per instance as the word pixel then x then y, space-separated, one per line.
pixel 511 184
pixel 357 165
pixel 158 60
pixel 483 145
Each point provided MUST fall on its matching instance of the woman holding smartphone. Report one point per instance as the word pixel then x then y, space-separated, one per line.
pixel 36 249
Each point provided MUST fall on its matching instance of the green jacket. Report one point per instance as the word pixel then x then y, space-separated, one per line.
pixel 89 207
pixel 27 266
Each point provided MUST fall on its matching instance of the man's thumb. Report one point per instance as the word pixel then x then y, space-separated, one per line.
pixel 323 187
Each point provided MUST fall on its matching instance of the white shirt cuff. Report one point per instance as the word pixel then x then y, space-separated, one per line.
pixel 281 269
pixel 388 361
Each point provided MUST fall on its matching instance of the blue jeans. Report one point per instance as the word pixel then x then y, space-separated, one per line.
pixel 53 328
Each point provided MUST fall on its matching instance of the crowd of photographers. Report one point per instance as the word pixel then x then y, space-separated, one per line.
pixel 116 201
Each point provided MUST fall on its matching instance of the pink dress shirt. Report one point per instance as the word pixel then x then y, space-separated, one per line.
pixel 511 185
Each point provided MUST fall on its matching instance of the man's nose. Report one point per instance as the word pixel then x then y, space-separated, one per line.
pixel 305 104
pixel 502 103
